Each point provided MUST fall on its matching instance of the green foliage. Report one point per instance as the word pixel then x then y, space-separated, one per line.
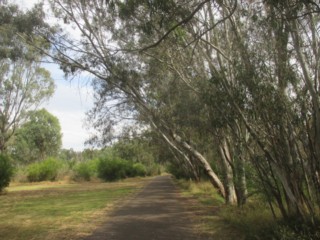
pixel 134 150
pixel 13 21
pixel 20 174
pixel 137 151
pixel 46 170
pixel 24 83
pixel 86 170
pixel 83 172
pixel 177 171
pixel 139 170
pixel 6 171
pixel 258 93
pixel 202 191
pixel 154 169
pixel 38 138
pixel 89 154
pixel 111 168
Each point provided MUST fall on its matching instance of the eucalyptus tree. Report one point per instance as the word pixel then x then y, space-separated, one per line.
pixel 173 68
pixel 263 105
pixel 248 70
pixel 266 82
pixel 104 51
pixel 38 138
pixel 24 84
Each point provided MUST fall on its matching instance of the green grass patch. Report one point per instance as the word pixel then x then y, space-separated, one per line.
pixel 64 211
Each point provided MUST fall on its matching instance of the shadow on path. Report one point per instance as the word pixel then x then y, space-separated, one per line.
pixel 157 212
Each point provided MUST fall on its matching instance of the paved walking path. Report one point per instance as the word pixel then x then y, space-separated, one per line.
pixel 157 212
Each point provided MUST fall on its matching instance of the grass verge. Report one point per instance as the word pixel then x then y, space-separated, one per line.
pixel 209 205
pixel 63 211
pixel 253 221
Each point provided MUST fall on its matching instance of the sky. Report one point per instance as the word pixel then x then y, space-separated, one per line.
pixel 70 102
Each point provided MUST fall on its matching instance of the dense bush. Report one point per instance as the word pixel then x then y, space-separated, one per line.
pixel 177 171
pixel 85 170
pixel 138 169
pixel 20 174
pixel 82 172
pixel 6 171
pixel 46 170
pixel 153 169
pixel 112 169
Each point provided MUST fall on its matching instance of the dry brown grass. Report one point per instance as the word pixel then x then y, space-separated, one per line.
pixel 62 210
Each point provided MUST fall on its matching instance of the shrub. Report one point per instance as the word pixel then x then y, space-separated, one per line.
pixel 85 170
pixel 20 174
pixel 112 169
pixel 46 170
pixel 153 169
pixel 139 170
pixel 6 171
pixel 177 171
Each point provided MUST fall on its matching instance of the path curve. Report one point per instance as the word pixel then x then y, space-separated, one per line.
pixel 157 212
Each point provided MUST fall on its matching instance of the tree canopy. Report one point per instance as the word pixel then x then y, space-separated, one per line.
pixel 24 83
pixel 226 85
pixel 38 138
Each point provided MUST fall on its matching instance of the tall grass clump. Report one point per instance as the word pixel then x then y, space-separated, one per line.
pixel 296 230
pixel 254 219
pixel 46 170
pixel 202 191
pixel 6 171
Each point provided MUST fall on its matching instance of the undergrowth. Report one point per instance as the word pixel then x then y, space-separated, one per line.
pixel 253 221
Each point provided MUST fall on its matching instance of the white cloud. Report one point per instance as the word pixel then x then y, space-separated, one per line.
pixel 71 100
pixel 25 4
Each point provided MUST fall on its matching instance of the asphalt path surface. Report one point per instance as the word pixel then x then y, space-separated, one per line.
pixel 157 212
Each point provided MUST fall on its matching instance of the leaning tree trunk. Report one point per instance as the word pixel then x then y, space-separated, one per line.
pixel 214 179
pixel 175 140
pixel 231 196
